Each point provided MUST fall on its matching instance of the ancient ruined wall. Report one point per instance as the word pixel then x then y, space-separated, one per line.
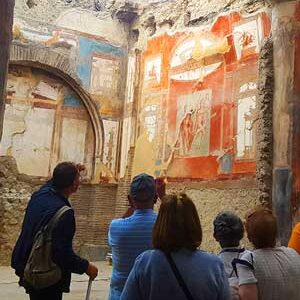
pixel 211 198
pixel 94 207
pixel 199 99
pixel 45 122
pixel 68 60
pixel 193 105
pixel 15 190
pixel 95 47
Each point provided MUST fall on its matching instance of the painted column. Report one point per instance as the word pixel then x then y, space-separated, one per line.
pixel 6 22
pixel 283 29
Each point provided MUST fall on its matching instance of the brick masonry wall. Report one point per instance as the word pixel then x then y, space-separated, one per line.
pixel 94 207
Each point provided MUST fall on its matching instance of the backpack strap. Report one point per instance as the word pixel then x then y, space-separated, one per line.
pixel 243 262
pixel 178 276
pixel 233 250
pixel 53 221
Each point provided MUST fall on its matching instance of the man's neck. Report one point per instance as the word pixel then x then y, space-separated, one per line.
pixel 140 205
pixel 64 193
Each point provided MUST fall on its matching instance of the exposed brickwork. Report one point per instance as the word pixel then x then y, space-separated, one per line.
pixel 94 207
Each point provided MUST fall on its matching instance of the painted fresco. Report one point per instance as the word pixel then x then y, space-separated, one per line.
pixel 41 109
pixel 111 129
pixel 98 63
pixel 198 102
pixel 193 124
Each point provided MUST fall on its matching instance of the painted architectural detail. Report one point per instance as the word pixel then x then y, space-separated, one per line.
pixel 204 82
pixel 111 129
pixel 105 76
pixel 193 124
pixel 247 37
pixel 97 62
pixel 153 69
pixel 50 115
pixel 245 131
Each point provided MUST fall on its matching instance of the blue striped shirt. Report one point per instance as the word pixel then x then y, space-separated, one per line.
pixel 128 238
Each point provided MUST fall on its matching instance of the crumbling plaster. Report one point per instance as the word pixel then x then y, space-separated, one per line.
pixel 172 16
pixel 264 151
pixel 211 198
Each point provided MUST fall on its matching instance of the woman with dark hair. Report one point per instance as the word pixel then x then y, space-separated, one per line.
pixel 175 269
pixel 269 272
pixel 228 231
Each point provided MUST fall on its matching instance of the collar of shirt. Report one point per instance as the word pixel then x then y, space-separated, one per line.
pixel 233 249
pixel 143 211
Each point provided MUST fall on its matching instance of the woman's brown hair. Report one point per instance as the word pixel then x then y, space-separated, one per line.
pixel 178 225
pixel 261 227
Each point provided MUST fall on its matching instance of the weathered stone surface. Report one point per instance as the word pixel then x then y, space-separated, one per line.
pixel 14 196
pixel 238 196
pixel 264 146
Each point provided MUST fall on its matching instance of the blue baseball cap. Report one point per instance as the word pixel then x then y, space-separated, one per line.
pixel 143 188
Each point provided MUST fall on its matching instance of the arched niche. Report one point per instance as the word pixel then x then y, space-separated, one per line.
pixel 56 64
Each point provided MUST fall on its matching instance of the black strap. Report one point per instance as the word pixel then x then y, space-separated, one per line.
pixel 56 217
pixel 48 228
pixel 235 250
pixel 178 277
pixel 242 262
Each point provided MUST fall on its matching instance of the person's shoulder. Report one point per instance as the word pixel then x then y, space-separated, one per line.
pixel 288 251
pixel 208 257
pixel 247 255
pixel 297 227
pixel 117 222
pixel 147 256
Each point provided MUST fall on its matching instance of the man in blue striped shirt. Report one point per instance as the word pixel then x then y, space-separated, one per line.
pixel 129 237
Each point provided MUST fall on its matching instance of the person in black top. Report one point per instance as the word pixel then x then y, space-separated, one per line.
pixel 41 208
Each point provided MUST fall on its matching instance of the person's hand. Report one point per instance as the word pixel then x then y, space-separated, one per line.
pixel 92 271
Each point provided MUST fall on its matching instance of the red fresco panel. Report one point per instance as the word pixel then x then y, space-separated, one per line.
pixel 221 82
pixel 198 167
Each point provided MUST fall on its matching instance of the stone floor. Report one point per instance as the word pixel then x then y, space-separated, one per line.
pixel 9 289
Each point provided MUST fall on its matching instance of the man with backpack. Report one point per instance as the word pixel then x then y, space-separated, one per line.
pixel 50 202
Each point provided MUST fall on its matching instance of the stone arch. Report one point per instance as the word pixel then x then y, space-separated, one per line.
pixel 44 58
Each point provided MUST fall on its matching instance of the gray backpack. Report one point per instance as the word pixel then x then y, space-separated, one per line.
pixel 40 271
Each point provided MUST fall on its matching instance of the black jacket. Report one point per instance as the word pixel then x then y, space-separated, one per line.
pixel 41 207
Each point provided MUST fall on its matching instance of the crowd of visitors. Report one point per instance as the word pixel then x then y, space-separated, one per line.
pixel 155 256
pixel 173 267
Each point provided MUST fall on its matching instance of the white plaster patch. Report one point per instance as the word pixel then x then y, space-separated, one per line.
pixel 246 113
pixel 23 124
pixel 85 21
pixel 126 136
pixel 72 143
